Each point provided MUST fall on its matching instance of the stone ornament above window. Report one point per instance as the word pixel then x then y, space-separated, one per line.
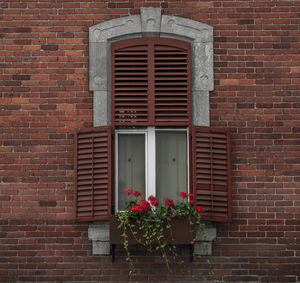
pixel 151 23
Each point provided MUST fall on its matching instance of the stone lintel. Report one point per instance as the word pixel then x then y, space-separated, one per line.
pixel 196 31
pixel 107 30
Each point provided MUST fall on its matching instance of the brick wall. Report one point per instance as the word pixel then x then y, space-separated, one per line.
pixel 44 96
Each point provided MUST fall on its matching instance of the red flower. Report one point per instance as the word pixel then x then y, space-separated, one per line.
pixel 200 209
pixel 191 201
pixel 191 194
pixel 152 198
pixel 145 205
pixel 169 202
pixel 128 192
pixel 137 194
pixel 134 208
pixel 184 195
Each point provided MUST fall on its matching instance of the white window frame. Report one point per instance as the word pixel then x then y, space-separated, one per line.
pixel 150 158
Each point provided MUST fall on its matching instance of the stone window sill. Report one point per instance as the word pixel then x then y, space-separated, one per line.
pixel 99 234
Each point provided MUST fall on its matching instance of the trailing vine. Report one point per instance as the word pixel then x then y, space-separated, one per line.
pixel 149 222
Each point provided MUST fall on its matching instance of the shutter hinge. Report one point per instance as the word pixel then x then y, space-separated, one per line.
pixel 113 136
pixel 190 136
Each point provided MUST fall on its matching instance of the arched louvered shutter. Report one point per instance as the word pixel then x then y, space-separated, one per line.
pixel 211 172
pixel 130 83
pixel 93 174
pixel 151 82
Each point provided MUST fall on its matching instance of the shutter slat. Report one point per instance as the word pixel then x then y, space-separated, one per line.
pixel 93 174
pixel 211 172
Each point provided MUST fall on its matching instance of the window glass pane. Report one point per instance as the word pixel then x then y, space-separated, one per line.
pixel 131 166
pixel 171 165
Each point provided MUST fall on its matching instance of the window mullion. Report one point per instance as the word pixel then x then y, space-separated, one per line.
pixel 151 83
pixel 151 162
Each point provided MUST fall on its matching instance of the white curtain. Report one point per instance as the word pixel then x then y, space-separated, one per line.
pixel 171 165
pixel 131 166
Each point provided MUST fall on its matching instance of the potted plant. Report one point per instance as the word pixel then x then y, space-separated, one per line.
pixel 158 227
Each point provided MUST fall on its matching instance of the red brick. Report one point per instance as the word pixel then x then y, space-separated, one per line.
pixel 49 47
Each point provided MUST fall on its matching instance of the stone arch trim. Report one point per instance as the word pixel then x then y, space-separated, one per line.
pixel 151 23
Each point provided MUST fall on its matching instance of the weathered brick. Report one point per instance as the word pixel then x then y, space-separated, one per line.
pixel 21 77
pixel 49 203
pixel 23 29
pixel 49 47
pixel 245 21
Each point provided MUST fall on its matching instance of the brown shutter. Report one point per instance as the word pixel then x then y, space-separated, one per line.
pixel 172 82
pixel 151 82
pixel 93 174
pixel 130 82
pixel 211 172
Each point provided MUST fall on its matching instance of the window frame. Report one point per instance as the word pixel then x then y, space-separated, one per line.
pixel 150 158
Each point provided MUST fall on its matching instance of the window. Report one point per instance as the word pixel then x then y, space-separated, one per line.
pixel 151 87
pixel 151 137
pixel 152 160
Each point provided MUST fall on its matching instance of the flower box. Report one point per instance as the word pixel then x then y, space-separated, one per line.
pixel 182 232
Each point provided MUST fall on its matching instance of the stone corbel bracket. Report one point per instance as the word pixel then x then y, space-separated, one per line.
pixel 204 239
pixel 99 234
pixel 151 23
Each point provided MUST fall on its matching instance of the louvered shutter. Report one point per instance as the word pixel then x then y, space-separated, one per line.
pixel 172 82
pixel 93 174
pixel 211 172
pixel 151 82
pixel 130 83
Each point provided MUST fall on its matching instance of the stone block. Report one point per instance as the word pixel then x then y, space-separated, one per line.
pixel 203 248
pixel 99 231
pixel 98 66
pixel 209 233
pixel 204 239
pixel 202 66
pixel 114 28
pixel 102 108
pixel 194 30
pixel 150 20
pixel 101 248
pixel 200 101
